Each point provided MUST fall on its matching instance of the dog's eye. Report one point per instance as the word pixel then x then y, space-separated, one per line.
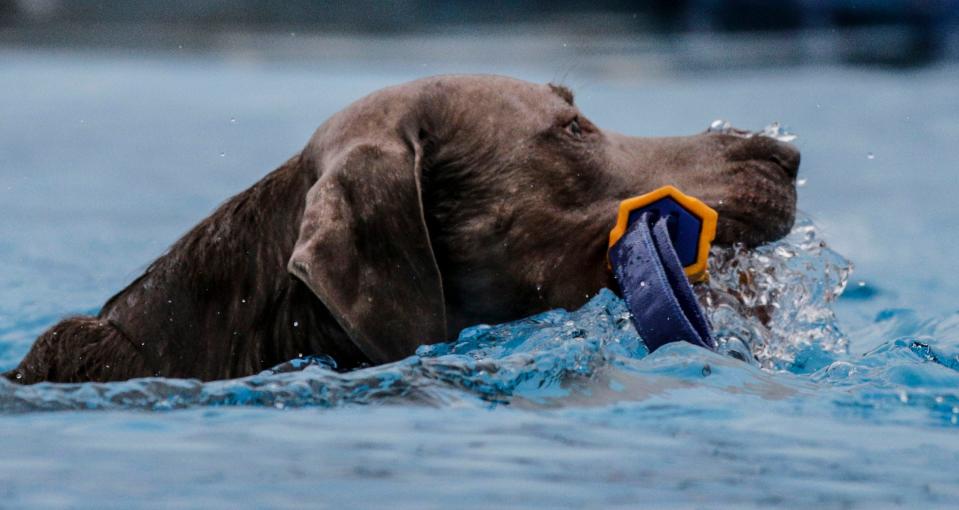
pixel 573 128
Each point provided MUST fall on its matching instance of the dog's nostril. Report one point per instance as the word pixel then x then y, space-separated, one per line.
pixel 787 157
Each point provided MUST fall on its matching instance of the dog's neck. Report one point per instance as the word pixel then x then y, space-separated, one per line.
pixel 220 302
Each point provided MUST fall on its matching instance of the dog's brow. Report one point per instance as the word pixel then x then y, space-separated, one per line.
pixel 563 92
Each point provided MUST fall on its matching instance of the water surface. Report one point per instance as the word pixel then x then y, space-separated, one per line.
pixel 852 402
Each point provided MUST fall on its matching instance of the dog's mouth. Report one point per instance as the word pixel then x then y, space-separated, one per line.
pixel 741 229
pixel 756 218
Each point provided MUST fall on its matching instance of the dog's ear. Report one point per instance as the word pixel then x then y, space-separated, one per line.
pixel 364 250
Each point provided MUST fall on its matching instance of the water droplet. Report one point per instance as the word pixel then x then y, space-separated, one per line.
pixel 296 324
pixel 903 397
pixel 19 376
pixel 939 399
pixel 870 155
pixel 801 182
pixel 707 370
pixel 222 154
pixel 243 301
pixel 232 120
pixel 862 283
pixel 642 283
pixel 777 132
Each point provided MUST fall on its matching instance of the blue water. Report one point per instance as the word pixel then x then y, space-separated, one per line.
pixel 852 402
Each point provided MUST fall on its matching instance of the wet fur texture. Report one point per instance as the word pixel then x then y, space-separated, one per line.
pixel 417 211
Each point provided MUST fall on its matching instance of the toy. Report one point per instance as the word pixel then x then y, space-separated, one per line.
pixel 660 243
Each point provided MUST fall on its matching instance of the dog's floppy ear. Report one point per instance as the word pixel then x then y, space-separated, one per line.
pixel 364 250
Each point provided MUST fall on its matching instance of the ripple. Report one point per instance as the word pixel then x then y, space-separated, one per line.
pixel 771 309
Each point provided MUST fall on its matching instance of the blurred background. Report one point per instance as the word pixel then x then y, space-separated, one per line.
pixel 122 124
pixel 697 33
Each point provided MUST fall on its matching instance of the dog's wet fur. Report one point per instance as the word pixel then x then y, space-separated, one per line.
pixel 416 211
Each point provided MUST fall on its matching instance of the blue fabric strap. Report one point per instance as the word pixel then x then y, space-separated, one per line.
pixel 657 291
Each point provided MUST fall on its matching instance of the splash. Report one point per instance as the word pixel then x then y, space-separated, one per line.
pixel 533 359
pixel 774 299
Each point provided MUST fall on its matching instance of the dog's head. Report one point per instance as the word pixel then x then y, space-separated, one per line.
pixel 462 199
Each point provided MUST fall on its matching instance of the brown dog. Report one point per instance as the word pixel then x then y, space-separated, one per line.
pixel 415 212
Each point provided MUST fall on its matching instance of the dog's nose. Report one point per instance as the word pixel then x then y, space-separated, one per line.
pixel 763 148
pixel 787 156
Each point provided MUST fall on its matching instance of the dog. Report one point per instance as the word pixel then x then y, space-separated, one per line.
pixel 415 212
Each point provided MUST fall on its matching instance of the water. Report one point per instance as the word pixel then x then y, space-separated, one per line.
pixel 773 300
pixel 851 400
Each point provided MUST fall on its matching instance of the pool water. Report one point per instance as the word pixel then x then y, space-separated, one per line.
pixel 852 399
